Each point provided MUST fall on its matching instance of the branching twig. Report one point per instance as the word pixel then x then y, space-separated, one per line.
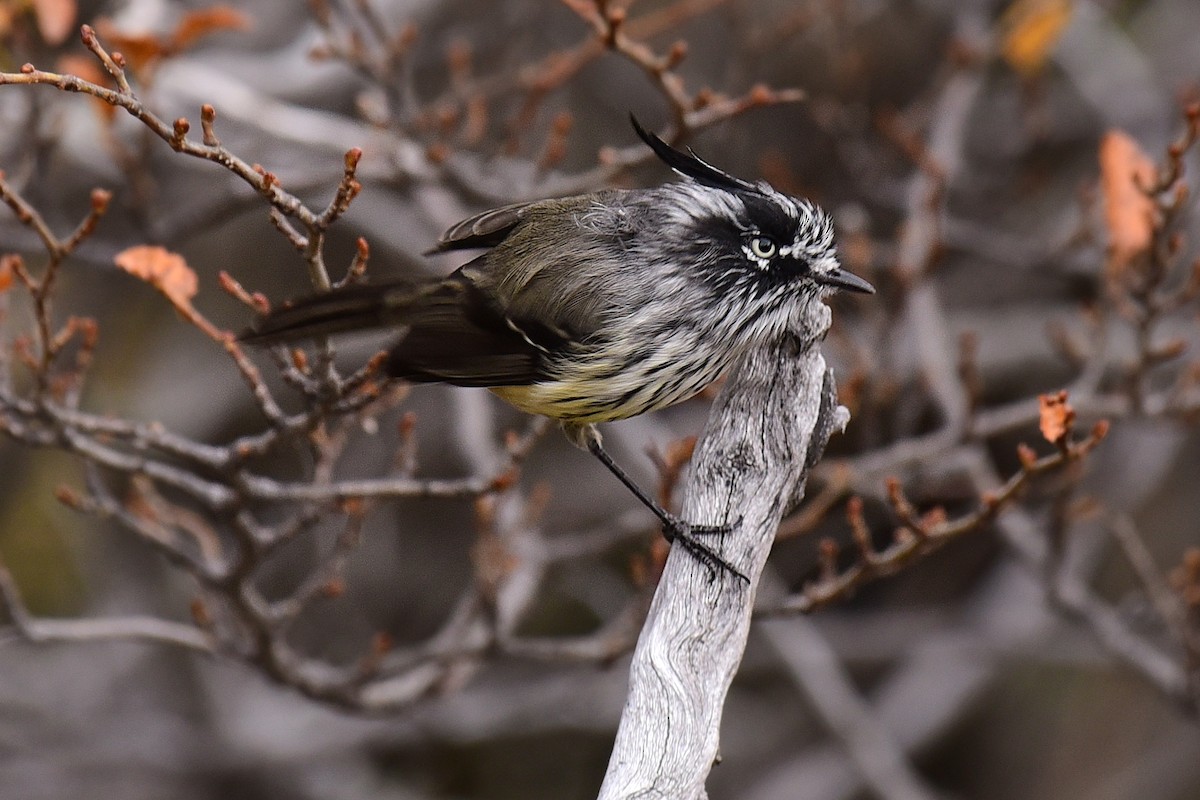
pixel 209 147
pixel 920 535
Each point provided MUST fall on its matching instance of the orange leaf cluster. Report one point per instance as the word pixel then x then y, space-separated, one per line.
pixel 1030 30
pixel 166 271
pixel 146 49
pixel 1056 417
pixel 197 24
pixel 1129 213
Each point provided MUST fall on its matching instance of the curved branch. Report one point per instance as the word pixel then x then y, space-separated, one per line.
pixel 766 428
pixel 137 628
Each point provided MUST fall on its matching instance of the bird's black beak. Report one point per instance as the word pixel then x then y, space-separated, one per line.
pixel 845 280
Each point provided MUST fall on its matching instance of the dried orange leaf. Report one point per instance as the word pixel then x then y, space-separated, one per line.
pixel 6 275
pixel 85 67
pixel 140 49
pixel 89 69
pixel 55 19
pixel 145 49
pixel 1056 416
pixel 1129 214
pixel 1029 31
pixel 195 25
pixel 166 271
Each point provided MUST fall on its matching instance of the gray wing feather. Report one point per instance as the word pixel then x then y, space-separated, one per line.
pixel 486 229
pixel 565 266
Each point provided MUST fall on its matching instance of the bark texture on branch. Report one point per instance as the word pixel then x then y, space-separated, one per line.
pixel 766 429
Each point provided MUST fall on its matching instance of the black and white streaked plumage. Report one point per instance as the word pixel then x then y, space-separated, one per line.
pixel 601 306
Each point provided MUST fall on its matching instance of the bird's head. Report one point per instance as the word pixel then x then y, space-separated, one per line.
pixel 750 234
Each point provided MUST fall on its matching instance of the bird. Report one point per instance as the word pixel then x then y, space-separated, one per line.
pixel 601 306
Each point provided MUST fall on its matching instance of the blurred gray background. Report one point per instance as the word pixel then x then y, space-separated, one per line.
pixel 963 679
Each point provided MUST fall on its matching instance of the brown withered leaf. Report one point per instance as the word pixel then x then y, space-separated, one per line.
pixel 1029 31
pixel 146 49
pixel 55 19
pixel 166 271
pixel 83 66
pixel 87 68
pixel 195 25
pixel 1129 214
pixel 139 49
pixel 1056 416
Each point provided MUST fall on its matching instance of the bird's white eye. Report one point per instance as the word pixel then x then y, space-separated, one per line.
pixel 763 247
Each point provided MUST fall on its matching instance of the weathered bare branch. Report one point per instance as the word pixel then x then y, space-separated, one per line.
pixel 748 465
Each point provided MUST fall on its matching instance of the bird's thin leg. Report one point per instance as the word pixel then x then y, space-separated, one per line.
pixel 674 528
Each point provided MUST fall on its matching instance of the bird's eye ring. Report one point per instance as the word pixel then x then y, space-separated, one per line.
pixel 763 247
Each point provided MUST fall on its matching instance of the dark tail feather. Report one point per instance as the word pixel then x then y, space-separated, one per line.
pixel 453 331
pixel 351 309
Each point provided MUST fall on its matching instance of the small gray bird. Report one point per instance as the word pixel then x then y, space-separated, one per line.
pixel 601 306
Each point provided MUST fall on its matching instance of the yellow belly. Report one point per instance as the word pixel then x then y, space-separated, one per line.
pixel 561 402
pixel 610 386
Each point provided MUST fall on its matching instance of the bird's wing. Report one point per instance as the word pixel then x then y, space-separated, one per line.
pixel 457 334
pixel 569 268
pixel 504 319
pixel 486 229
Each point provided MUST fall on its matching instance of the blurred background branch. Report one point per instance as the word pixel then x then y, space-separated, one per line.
pixel 1003 545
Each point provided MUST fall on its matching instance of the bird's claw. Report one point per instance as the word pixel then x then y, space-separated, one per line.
pixel 678 531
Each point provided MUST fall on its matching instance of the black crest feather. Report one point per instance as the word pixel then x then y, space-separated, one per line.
pixel 692 165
